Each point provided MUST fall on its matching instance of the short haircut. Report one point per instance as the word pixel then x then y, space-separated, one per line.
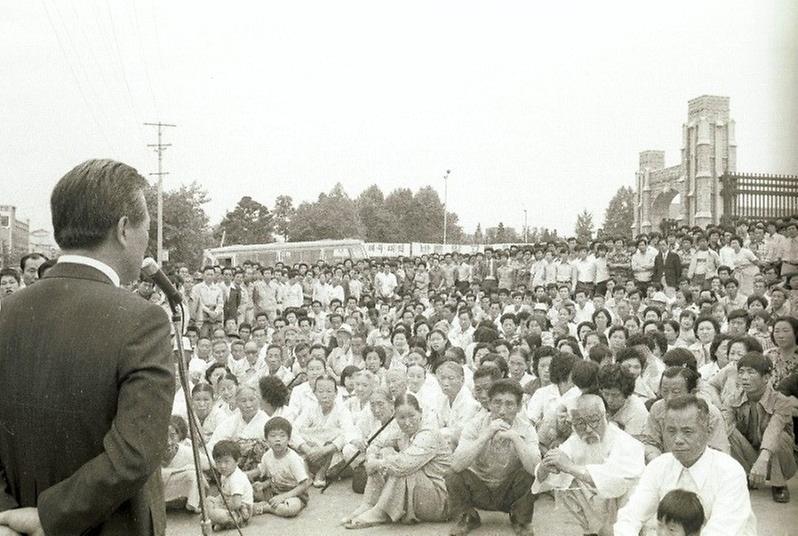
pixel 584 374
pixel 641 339
pixel 35 256
pixel 755 360
pixel 740 313
pixel 561 365
pixel 614 376
pixel 702 319
pixel 599 353
pixel 680 357
pixel 226 447
pixel 454 367
pixel 688 401
pixel 507 386
pixel 327 378
pixel 277 423
pixel 10 272
pixel 630 353
pixel 88 202
pixel 487 370
pixel 683 508
pixel 690 376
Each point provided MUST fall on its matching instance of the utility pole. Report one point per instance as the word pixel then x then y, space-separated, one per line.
pixel 160 148
pixel 525 228
pixel 445 199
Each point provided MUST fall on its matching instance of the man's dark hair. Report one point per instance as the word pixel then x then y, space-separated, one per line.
pixel 561 365
pixel 690 376
pixel 686 401
pixel 34 256
pixel 614 376
pixel 490 370
pixel 507 385
pixel 89 200
pixel 755 360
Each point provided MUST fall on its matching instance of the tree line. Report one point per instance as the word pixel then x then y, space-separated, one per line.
pixel 400 216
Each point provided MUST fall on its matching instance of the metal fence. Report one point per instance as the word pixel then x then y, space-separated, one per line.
pixel 758 196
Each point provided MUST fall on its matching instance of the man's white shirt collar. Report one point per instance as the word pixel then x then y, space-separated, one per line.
pixel 94 263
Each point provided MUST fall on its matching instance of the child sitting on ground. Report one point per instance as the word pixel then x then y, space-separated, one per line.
pixel 236 493
pixel 680 514
pixel 284 493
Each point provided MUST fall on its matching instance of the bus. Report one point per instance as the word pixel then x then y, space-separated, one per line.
pixel 330 251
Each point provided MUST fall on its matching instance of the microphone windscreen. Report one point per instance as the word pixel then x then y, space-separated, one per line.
pixel 149 267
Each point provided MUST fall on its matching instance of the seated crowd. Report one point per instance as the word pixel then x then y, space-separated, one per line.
pixel 645 386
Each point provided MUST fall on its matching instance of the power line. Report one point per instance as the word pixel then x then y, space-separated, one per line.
pixel 143 58
pixel 77 80
pixel 160 148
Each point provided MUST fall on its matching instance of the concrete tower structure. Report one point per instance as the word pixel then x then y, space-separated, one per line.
pixel 709 150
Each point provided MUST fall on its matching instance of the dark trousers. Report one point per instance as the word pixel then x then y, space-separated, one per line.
pixel 467 491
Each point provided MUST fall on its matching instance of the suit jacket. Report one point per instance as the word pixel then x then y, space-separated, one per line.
pixel 670 267
pixel 86 390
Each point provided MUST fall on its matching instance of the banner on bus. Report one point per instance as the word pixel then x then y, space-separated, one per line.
pixel 385 249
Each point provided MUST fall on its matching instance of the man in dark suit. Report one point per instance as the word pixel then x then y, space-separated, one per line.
pixel 667 266
pixel 86 372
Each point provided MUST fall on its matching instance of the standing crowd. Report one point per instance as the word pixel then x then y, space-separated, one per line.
pixel 647 384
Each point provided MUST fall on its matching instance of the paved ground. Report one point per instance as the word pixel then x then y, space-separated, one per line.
pixel 323 513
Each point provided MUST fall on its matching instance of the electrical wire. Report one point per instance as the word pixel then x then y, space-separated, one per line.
pixel 77 80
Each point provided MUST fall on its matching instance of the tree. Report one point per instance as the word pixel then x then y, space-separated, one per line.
pixel 620 216
pixel 399 205
pixel 374 216
pixel 478 238
pixel 248 223
pixel 584 227
pixel 186 232
pixel 333 216
pixel 283 212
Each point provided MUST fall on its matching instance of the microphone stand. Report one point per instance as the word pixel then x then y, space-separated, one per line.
pixel 177 322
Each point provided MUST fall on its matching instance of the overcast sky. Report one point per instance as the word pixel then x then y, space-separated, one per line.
pixel 543 108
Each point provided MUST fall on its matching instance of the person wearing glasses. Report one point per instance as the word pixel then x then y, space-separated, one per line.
pixel 594 470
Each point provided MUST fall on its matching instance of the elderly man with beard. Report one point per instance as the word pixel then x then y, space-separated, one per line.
pixel 594 469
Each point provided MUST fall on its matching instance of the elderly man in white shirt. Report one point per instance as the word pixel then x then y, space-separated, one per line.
pixel 718 480
pixel 458 406
pixel 594 470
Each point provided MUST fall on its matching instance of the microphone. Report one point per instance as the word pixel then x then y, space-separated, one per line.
pixel 150 268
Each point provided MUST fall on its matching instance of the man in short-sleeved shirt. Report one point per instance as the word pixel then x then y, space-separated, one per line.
pixel 493 464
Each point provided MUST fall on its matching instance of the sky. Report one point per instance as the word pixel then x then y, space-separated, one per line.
pixel 531 105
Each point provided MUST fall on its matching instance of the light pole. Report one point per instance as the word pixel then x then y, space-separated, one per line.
pixel 525 228
pixel 445 199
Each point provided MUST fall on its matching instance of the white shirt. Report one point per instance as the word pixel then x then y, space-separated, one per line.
pixel 614 464
pixel 722 488
pixel 94 263
pixel 546 400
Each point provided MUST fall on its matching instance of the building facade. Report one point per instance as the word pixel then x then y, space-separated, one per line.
pixel 14 236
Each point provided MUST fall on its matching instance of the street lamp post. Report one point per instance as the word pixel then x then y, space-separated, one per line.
pixel 445 200
pixel 525 228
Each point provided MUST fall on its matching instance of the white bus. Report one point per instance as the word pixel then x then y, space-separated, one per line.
pixel 288 253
